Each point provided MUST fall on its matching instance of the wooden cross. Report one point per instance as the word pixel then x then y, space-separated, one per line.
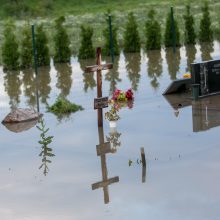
pixel 98 68
pixel 102 150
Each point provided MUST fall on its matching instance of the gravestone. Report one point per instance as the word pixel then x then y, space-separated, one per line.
pixel 207 75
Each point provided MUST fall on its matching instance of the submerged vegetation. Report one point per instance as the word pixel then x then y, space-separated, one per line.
pixel 26 47
pixel 205 33
pixel 153 32
pixel 62 42
pixel 63 107
pixel 86 49
pixel 131 35
pixel 172 31
pixel 10 53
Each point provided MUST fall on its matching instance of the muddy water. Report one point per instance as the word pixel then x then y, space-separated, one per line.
pixel 70 181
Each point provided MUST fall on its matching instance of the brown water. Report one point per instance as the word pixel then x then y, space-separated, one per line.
pixel 181 145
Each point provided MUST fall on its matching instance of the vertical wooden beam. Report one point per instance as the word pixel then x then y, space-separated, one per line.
pixel 143 160
pixel 99 84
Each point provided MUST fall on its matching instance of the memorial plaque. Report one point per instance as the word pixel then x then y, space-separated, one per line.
pixel 103 148
pixel 207 74
pixel 100 103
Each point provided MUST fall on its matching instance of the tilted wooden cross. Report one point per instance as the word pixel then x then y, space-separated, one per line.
pixel 100 102
pixel 102 149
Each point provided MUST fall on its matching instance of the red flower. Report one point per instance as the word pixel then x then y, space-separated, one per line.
pixel 129 94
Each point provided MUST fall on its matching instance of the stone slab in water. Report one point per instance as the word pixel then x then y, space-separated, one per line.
pixel 21 115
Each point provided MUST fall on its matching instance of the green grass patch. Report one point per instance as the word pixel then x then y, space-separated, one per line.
pixel 63 107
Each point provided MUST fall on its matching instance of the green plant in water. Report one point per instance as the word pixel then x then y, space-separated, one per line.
pixel 153 32
pixel 190 36
pixel 10 53
pixel 43 57
pixel 131 35
pixel 46 151
pixel 205 33
pixel 63 107
pixel 86 49
pixel 62 42
pixel 26 47
pixel 112 114
pixel 168 38
pixel 107 45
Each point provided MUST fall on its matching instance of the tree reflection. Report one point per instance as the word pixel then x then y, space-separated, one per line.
pixel 190 55
pixel 12 84
pixel 155 67
pixel 113 75
pixel 46 151
pixel 133 62
pixel 64 79
pixel 206 50
pixel 88 78
pixel 173 62
pixel 44 80
pixel 29 86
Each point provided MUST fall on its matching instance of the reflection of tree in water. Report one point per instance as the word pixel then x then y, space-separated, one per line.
pixel 12 85
pixel 29 86
pixel 173 62
pixel 206 50
pixel 46 151
pixel 155 67
pixel 133 62
pixel 64 80
pixel 113 75
pixel 44 80
pixel 191 55
pixel 89 81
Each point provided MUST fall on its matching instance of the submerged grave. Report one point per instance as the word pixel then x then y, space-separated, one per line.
pixel 204 81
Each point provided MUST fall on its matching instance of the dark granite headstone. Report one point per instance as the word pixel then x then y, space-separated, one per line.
pixel 207 74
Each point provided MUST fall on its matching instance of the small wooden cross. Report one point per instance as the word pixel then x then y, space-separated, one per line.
pixel 102 149
pixel 98 68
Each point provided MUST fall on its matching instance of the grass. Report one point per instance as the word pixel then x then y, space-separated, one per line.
pixel 63 107
pixel 93 12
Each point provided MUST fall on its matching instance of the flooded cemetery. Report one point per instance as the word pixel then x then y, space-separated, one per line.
pixel 161 161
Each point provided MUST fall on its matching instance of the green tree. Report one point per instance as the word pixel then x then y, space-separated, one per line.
pixel 205 33
pixel 10 53
pixel 26 47
pixel 86 49
pixel 153 32
pixel 190 36
pixel 43 57
pixel 62 42
pixel 131 35
pixel 168 38
pixel 107 47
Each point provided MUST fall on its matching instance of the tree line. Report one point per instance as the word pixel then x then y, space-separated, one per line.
pixel 17 55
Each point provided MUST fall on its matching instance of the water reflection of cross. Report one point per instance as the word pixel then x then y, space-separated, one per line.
pixel 102 149
pixel 98 68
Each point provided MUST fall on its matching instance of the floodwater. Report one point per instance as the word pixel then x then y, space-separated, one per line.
pixel 72 178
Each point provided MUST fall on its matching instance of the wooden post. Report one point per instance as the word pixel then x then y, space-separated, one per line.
pixel 99 85
pixel 102 149
pixel 98 68
pixel 35 66
pixel 143 160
